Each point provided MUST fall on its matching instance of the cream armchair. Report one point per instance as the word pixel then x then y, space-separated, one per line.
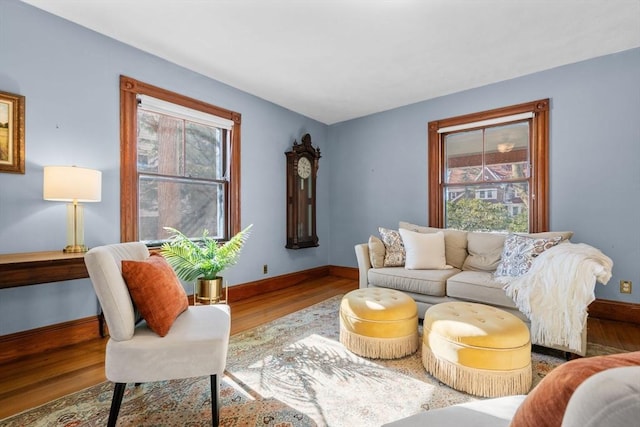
pixel 196 344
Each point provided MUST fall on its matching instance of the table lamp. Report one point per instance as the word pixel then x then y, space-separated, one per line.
pixel 73 184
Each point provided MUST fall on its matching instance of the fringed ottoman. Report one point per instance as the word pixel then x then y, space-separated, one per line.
pixel 477 349
pixel 379 323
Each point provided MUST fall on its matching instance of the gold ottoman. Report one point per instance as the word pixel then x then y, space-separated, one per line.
pixel 379 323
pixel 477 349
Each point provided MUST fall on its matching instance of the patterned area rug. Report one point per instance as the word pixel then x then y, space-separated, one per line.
pixel 292 372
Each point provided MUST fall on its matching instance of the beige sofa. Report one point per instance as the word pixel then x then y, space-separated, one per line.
pixel 471 258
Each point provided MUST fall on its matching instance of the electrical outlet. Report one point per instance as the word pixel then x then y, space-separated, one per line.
pixel 265 269
pixel 625 286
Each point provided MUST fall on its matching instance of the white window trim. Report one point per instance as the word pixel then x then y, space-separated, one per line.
pixel 488 122
pixel 163 107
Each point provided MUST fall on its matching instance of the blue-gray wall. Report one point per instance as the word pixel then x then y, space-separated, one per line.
pixel 70 78
pixel 373 171
pixel 379 162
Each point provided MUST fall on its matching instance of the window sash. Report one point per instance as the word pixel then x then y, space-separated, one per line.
pixel 185 150
pixel 206 203
pixel 482 155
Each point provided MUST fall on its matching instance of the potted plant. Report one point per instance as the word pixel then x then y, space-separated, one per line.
pixel 202 260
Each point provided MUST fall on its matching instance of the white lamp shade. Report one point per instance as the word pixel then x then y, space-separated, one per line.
pixel 69 183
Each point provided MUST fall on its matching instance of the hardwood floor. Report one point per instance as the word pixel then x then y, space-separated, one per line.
pixel 35 380
pixel 621 335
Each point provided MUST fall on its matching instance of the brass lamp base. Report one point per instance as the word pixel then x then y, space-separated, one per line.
pixel 75 249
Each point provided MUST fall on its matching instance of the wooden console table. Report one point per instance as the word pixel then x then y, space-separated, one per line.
pixel 32 268
pixel 35 268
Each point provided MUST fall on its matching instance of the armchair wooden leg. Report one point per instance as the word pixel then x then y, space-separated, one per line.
pixel 215 401
pixel 118 393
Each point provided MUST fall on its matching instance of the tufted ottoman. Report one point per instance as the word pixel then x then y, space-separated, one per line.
pixel 379 323
pixel 477 349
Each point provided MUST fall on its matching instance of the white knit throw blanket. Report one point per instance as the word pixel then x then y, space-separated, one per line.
pixel 555 293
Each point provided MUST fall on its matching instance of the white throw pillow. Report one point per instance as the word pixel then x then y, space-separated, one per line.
pixel 424 251
pixel 455 242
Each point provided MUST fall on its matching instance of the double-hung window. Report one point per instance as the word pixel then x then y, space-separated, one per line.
pixel 180 165
pixel 488 171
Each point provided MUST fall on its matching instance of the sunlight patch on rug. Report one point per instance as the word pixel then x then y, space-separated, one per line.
pixel 299 360
pixel 319 377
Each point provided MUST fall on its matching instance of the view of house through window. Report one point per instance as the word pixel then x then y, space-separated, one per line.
pixel 486 180
pixel 181 173
pixel 180 165
pixel 488 171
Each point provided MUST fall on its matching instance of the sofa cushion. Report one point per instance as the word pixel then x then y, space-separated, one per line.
pixel 555 390
pixel 478 286
pixel 455 242
pixel 427 282
pixel 394 250
pixel 423 250
pixel 485 250
pixel 520 251
pixel 565 235
pixel 376 252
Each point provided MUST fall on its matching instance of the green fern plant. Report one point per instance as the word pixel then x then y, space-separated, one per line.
pixel 202 258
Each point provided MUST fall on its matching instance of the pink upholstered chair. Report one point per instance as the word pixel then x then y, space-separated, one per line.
pixel 196 345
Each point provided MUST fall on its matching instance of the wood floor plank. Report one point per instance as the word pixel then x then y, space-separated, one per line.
pixel 33 395
pixel 621 335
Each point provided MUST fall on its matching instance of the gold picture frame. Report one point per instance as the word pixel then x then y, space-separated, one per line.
pixel 11 133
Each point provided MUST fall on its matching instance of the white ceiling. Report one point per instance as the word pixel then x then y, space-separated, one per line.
pixel 335 60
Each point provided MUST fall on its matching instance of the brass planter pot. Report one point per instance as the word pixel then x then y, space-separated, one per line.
pixel 209 291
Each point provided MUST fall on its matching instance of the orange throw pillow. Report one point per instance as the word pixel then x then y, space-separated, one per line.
pixel 156 291
pixel 547 402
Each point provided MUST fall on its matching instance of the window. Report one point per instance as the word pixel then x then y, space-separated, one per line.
pixel 453 194
pixel 488 171
pixel 180 165
pixel 486 194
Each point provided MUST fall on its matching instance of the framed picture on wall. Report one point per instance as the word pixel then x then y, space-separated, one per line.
pixel 11 133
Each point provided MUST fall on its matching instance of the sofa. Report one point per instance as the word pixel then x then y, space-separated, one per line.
pixel 404 260
pixel 588 392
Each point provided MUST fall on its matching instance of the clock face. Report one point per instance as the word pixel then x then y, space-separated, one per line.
pixel 304 168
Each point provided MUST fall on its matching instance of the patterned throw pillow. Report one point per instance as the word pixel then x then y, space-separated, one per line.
pixel 394 249
pixel 519 252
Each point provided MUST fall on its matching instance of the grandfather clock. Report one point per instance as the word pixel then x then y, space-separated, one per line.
pixel 302 170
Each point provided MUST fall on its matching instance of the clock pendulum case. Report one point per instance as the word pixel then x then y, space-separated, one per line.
pixel 302 170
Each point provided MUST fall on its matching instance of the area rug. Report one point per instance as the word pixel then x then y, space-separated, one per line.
pixel 292 372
